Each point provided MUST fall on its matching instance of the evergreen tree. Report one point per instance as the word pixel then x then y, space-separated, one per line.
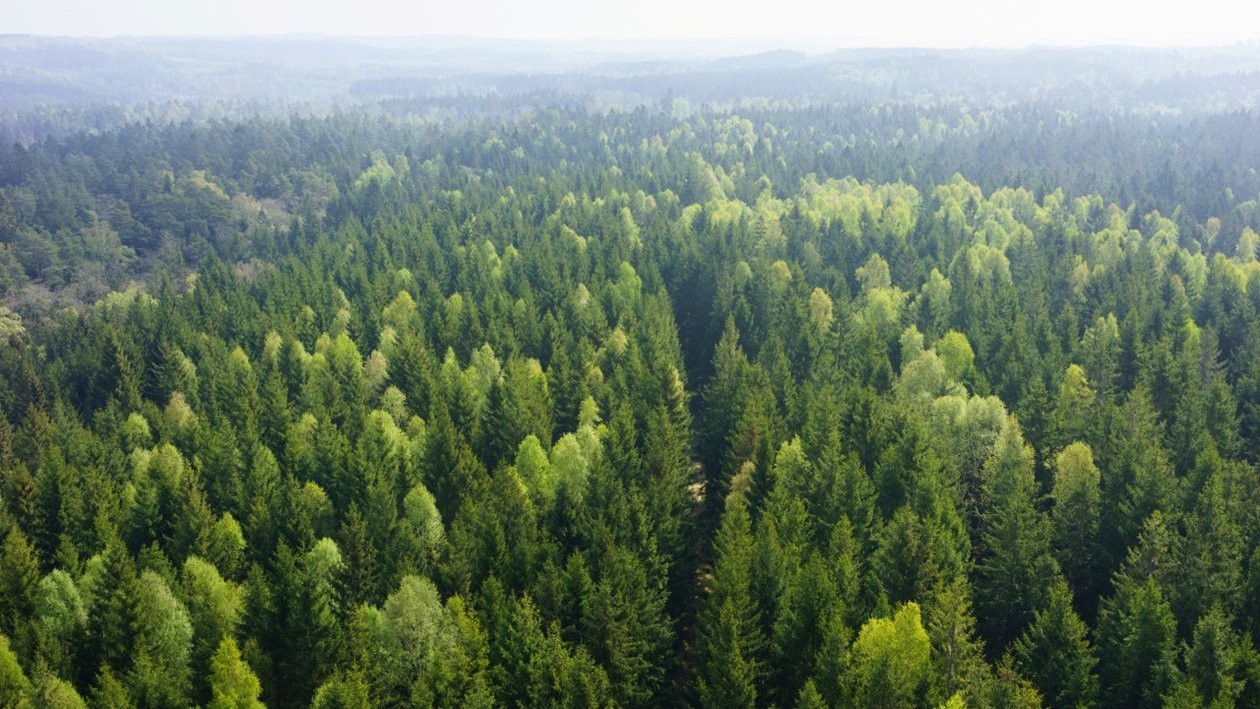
pixel 547 406
pixel 19 578
pixel 958 655
pixel 1055 653
pixel 730 644
pixel 1076 515
pixel 1016 564
pixel 1219 663
pixel 232 684
pixel 1136 640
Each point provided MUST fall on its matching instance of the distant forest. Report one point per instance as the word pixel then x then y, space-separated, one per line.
pixel 440 373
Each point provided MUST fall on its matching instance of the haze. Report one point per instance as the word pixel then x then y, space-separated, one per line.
pixel 799 23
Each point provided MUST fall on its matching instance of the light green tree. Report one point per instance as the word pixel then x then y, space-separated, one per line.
pixel 890 663
pixel 1077 497
pixel 15 689
pixel 232 683
pixel 164 632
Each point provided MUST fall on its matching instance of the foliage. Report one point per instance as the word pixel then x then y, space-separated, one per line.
pixel 729 405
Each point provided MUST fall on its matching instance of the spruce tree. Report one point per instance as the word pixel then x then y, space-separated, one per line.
pixel 1054 653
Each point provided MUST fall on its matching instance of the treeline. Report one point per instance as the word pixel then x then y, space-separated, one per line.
pixel 86 214
pixel 629 410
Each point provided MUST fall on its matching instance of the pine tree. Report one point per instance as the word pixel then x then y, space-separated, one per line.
pixel 625 626
pixel 449 467
pixel 232 684
pixel 109 693
pixel 1137 645
pixel 1013 573
pixel 1055 654
pixel 730 644
pixel 1139 477
pixel 1068 421
pixel 810 597
pixel 958 655
pixel 809 698
pixel 730 674
pixel 1220 664
pixel 1136 630
pixel 724 400
pixel 1076 518
pixel 914 555
pixel 1211 556
pixel 110 583
pixel 19 578
pixel 319 628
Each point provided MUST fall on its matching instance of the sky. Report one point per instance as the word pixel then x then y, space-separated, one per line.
pixel 817 23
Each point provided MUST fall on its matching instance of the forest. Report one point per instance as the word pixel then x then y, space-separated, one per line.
pixel 935 397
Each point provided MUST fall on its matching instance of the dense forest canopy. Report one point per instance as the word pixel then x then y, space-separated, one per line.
pixel 907 382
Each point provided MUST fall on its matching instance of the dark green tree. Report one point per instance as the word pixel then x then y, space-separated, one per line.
pixel 1054 653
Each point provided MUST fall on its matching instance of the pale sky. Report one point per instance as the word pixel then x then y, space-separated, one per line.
pixel 937 23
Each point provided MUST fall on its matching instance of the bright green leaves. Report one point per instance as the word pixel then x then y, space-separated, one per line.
pixel 164 633
pixel 890 662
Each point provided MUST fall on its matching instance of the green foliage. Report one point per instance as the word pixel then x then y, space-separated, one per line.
pixel 957 654
pixel 19 580
pixel 15 689
pixel 956 353
pixel 1137 651
pixel 1077 510
pixel 1219 665
pixel 56 693
pixel 890 663
pixel 1055 654
pixel 62 616
pixel 421 525
pixel 109 693
pixel 412 631
pixel 214 606
pixel 342 692
pixel 1017 565
pixel 164 634
pixel 730 638
pixel 232 684
pixel 588 407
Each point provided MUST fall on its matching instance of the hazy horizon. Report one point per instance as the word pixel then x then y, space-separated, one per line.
pixel 790 23
pixel 805 44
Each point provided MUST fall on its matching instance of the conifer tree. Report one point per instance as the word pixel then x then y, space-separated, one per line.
pixel 730 644
pixel 232 684
pixel 1055 654
pixel 1016 564
pixel 1076 515
pixel 19 579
